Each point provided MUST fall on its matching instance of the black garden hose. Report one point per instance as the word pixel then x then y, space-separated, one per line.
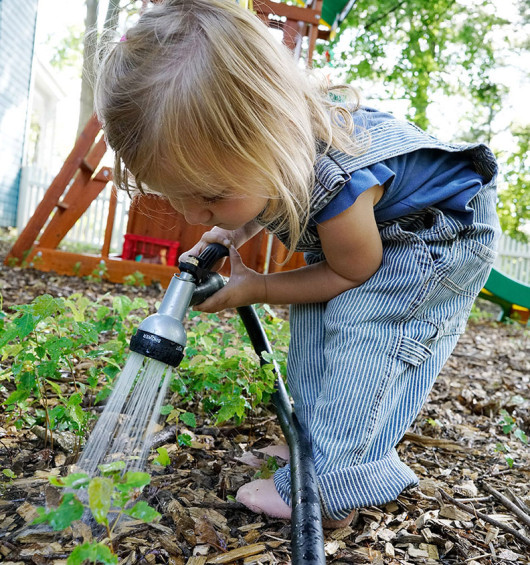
pixel 307 538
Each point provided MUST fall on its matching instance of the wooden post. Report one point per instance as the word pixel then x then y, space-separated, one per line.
pixel 110 223
pixel 80 195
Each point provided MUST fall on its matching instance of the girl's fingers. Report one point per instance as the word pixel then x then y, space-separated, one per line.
pixel 206 239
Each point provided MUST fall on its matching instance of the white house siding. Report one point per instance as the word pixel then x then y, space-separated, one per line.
pixel 17 33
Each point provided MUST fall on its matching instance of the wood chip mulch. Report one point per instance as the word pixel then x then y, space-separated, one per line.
pixel 470 507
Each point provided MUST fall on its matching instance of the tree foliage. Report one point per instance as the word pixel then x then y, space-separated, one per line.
pixel 416 48
pixel 514 198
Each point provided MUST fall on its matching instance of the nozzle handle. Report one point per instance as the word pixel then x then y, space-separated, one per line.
pixel 209 257
pixel 211 284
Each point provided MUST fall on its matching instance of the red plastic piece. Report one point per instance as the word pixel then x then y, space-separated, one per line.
pixel 150 249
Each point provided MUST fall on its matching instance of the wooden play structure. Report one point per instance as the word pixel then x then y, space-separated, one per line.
pixel 156 233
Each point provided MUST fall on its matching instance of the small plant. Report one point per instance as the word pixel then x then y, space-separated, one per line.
pixel 510 428
pixel 434 422
pixel 477 314
pixel 162 458
pixel 13 262
pixel 221 368
pixel 175 415
pixel 8 473
pixel 135 279
pixel 267 469
pixel 99 273
pixel 109 498
pixel 37 260
pixel 46 340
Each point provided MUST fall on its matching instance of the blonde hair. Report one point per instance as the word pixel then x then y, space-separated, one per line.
pixel 200 92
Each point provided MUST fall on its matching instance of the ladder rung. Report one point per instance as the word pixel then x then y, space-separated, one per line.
pixel 84 166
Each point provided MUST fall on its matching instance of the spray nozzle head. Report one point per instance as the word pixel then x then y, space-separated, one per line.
pixel 155 346
pixel 162 335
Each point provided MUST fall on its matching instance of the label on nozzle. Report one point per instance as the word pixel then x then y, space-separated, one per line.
pixel 151 337
pixel 156 347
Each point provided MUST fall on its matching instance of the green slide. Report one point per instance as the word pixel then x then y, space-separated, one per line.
pixel 334 11
pixel 506 292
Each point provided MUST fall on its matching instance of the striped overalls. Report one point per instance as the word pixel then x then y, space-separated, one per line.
pixel 361 365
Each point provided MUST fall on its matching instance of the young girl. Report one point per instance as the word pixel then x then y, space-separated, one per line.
pixel 204 107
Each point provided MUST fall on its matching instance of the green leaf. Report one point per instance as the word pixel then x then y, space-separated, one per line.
pixel 166 409
pixel 122 305
pixel 142 511
pixel 93 552
pixel 189 419
pixel 133 479
pixel 163 457
pixel 106 468
pixel 184 440
pixel 78 415
pixel 25 325
pixel 45 305
pixel 234 407
pixel 8 473
pixel 74 480
pixel 67 512
pixel 520 435
pixel 100 498
pixel 16 397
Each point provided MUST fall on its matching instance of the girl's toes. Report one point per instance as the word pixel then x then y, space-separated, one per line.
pixel 281 451
pixel 261 496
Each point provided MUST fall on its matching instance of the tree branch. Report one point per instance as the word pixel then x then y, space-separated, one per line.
pixel 473 512
pixel 384 15
pixel 507 503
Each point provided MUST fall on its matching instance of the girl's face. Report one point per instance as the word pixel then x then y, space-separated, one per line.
pixel 227 212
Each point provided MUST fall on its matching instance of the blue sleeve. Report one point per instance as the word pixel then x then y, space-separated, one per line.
pixel 361 180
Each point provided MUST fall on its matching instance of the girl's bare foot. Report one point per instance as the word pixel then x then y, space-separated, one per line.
pixel 262 497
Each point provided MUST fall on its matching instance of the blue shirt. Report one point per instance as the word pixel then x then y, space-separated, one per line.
pixel 413 182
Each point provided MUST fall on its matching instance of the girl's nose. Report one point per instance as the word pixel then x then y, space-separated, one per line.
pixel 196 213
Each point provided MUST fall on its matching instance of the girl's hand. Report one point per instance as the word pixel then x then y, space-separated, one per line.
pixel 215 235
pixel 244 287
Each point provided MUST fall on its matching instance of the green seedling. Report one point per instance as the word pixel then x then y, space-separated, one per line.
pixel 221 369
pixel 511 429
pixel 99 273
pixel 110 496
pixel 8 473
pixel 135 279
pixel 162 458
pixel 267 469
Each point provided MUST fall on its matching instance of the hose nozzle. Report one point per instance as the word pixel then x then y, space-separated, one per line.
pixel 162 336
